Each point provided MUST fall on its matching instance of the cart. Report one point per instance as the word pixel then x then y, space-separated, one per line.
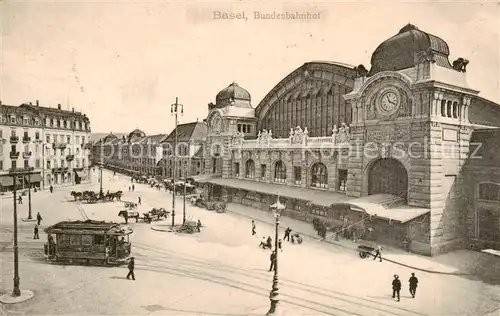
pixel 365 251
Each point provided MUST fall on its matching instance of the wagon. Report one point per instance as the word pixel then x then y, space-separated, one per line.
pixel 365 251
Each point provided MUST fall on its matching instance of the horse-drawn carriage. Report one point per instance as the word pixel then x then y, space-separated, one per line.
pixel 88 242
pixel 127 214
pixel 94 197
pixel 155 214
pixel 130 205
pixel 218 206
pixel 180 187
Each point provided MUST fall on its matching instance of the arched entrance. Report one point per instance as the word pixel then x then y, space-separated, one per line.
pixel 388 176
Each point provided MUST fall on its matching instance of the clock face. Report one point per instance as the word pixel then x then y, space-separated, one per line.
pixel 389 101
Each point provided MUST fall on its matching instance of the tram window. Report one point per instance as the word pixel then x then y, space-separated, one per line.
pixel 86 240
pixel 75 240
pixel 98 240
pixel 63 240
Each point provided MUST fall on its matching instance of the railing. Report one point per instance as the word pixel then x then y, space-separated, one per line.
pixel 310 142
pixel 14 154
pixel 26 154
pixel 70 157
pixel 26 139
pixel 61 145
pixel 14 139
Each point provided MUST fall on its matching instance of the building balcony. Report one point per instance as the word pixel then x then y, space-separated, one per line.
pixel 26 139
pixel 14 154
pixel 26 154
pixel 70 157
pixel 61 145
pixel 3 140
pixel 14 139
pixel 59 169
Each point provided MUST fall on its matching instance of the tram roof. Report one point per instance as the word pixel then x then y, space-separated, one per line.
pixel 88 227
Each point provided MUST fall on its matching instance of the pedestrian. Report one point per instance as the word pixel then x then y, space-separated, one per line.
pixel 273 261
pixel 396 287
pixel 107 254
pixel 378 253
pixel 269 242
pixel 413 284
pixel 51 188
pixel 263 243
pixel 253 227
pixel 279 245
pixel 129 188
pixel 38 218
pixel 139 200
pixel 287 234
pixel 131 265
pixel 35 233
pixel 198 225
pixel 20 199
pixel 125 216
pixel 133 187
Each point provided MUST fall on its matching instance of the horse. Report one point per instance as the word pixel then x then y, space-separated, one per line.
pixel 76 195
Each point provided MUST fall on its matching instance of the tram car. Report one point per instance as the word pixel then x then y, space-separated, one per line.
pixel 88 242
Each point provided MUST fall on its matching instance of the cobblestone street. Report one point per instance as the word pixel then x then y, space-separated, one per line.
pixel 222 271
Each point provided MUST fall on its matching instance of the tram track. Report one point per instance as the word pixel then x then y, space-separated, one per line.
pixel 187 264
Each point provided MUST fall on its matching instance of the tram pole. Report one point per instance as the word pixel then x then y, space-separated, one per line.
pixel 174 110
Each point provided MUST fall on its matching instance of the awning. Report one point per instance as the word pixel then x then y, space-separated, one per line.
pixel 34 178
pixel 317 197
pixel 6 181
pixel 380 205
pixel 203 177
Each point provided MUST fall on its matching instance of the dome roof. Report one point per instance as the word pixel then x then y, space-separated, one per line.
pixel 232 93
pixel 398 52
pixel 136 133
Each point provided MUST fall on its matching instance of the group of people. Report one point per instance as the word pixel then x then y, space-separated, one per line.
pixel 396 286
pixel 37 226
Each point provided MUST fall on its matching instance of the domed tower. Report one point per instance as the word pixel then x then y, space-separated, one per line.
pixel 411 111
pixel 399 52
pixel 231 114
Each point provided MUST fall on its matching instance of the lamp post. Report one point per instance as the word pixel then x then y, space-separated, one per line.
pixel 17 295
pixel 277 208
pixel 184 198
pixel 174 110
pixel 101 194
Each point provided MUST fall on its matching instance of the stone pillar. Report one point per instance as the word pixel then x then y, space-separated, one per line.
pixel 354 186
pixel 332 174
pixel 290 179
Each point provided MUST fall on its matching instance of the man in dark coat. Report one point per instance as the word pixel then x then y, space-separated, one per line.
pixel 279 245
pixel 413 284
pixel 287 234
pixel 35 233
pixel 131 265
pixel 253 228
pixel 38 218
pixel 378 253
pixel 273 261
pixel 396 287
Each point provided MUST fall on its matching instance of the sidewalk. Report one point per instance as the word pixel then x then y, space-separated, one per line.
pixel 396 256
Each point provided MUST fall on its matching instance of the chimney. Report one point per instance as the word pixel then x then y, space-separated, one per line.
pixel 196 120
pixel 73 109
pixel 59 106
pixel 37 103
pixel 0 102
pixel 31 103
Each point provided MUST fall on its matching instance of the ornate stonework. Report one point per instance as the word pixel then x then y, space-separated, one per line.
pixel 388 133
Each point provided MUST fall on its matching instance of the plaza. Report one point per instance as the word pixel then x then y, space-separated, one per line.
pixel 222 271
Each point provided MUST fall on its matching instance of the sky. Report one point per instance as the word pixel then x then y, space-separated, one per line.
pixel 124 63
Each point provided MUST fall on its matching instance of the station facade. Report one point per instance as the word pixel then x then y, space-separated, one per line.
pixel 393 148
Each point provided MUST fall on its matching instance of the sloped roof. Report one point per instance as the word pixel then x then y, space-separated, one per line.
pixel 188 131
pixel 156 138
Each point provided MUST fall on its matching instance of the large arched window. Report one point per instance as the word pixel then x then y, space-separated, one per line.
pixel 319 175
pixel 279 172
pixel 250 169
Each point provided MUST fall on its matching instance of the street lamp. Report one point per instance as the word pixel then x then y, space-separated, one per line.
pixel 30 218
pixel 101 193
pixel 277 209
pixel 184 199
pixel 174 110
pixel 16 292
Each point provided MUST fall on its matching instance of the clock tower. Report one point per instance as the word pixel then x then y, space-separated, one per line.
pixel 231 114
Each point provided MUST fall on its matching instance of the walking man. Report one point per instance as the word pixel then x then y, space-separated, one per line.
pixel 396 287
pixel 38 218
pixel 139 200
pixel 279 245
pixel 413 284
pixel 253 227
pixel 378 253
pixel 287 234
pixel 273 261
pixel 131 264
pixel 20 199
pixel 35 233
pixel 133 187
